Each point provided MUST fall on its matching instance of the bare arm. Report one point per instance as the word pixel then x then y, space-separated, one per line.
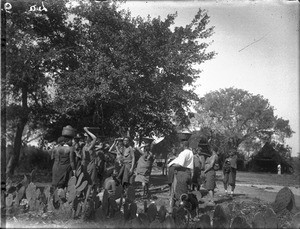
pixel 72 158
pixel 94 138
pixel 211 164
pixel 112 146
pixel 133 159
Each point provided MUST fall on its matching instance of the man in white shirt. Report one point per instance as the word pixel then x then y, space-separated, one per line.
pixel 183 166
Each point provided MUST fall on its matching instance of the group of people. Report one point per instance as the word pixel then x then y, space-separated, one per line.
pixel 192 168
pixel 104 167
pixel 116 167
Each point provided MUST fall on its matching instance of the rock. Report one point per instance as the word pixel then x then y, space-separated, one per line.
pixel 296 221
pixel 271 220
pixel 220 219
pixel 239 222
pixel 258 221
pixel 204 222
pixel 284 199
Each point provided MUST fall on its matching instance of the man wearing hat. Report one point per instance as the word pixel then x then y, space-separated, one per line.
pixel 183 166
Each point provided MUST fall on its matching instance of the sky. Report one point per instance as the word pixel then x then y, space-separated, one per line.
pixel 257 45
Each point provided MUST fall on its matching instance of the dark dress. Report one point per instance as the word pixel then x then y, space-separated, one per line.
pixel 196 179
pixel 210 176
pixel 230 174
pixel 63 166
pixel 89 165
pixel 143 169
pixel 124 174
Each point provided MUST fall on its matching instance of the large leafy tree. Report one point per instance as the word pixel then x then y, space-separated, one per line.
pixel 235 116
pixel 133 71
pixel 95 65
pixel 38 45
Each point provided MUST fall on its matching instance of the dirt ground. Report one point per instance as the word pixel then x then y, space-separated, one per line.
pixel 251 187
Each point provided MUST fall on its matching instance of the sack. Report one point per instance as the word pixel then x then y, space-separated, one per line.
pixel 216 166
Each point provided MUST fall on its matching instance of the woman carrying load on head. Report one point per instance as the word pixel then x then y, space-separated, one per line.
pixel 64 163
pixel 144 167
pixel 78 145
pixel 229 171
pixel 126 171
pixel 89 158
pixel 117 148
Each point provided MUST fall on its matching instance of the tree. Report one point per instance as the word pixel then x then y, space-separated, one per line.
pixel 104 68
pixel 132 72
pixel 236 116
pixel 37 47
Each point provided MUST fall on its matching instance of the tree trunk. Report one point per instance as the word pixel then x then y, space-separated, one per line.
pixel 18 137
pixel 3 103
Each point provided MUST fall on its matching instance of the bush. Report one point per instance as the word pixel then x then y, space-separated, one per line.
pixel 32 157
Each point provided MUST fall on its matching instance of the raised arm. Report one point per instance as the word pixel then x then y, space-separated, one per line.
pixel 112 146
pixel 133 160
pixel 94 138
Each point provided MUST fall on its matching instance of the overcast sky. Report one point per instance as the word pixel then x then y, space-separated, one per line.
pixel 257 44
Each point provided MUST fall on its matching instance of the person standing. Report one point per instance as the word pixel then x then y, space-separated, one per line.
pixel 78 145
pixel 144 167
pixel 89 159
pixel 171 156
pixel 229 171
pixel 117 148
pixel 126 170
pixel 183 168
pixel 279 169
pixel 64 164
pixel 198 163
pixel 210 176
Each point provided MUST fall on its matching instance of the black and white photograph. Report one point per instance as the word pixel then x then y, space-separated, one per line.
pixel 150 114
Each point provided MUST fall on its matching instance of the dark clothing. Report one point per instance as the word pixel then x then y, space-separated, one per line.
pixel 182 179
pixel 89 165
pixel 196 179
pixel 210 180
pixel 230 178
pixel 63 165
pixel 143 169
pixel 210 175
pixel 124 175
pixel 229 171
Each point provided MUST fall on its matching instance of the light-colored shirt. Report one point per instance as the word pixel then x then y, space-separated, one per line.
pixel 184 159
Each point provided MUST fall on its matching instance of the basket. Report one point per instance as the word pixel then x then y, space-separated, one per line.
pixel 68 131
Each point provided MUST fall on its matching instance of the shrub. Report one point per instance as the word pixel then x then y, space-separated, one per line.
pixel 33 157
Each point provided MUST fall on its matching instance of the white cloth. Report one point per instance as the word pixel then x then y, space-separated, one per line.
pixel 185 159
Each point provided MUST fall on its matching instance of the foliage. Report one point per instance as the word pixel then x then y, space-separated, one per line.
pixel 132 71
pixel 37 46
pixel 92 65
pixel 33 157
pixel 235 116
